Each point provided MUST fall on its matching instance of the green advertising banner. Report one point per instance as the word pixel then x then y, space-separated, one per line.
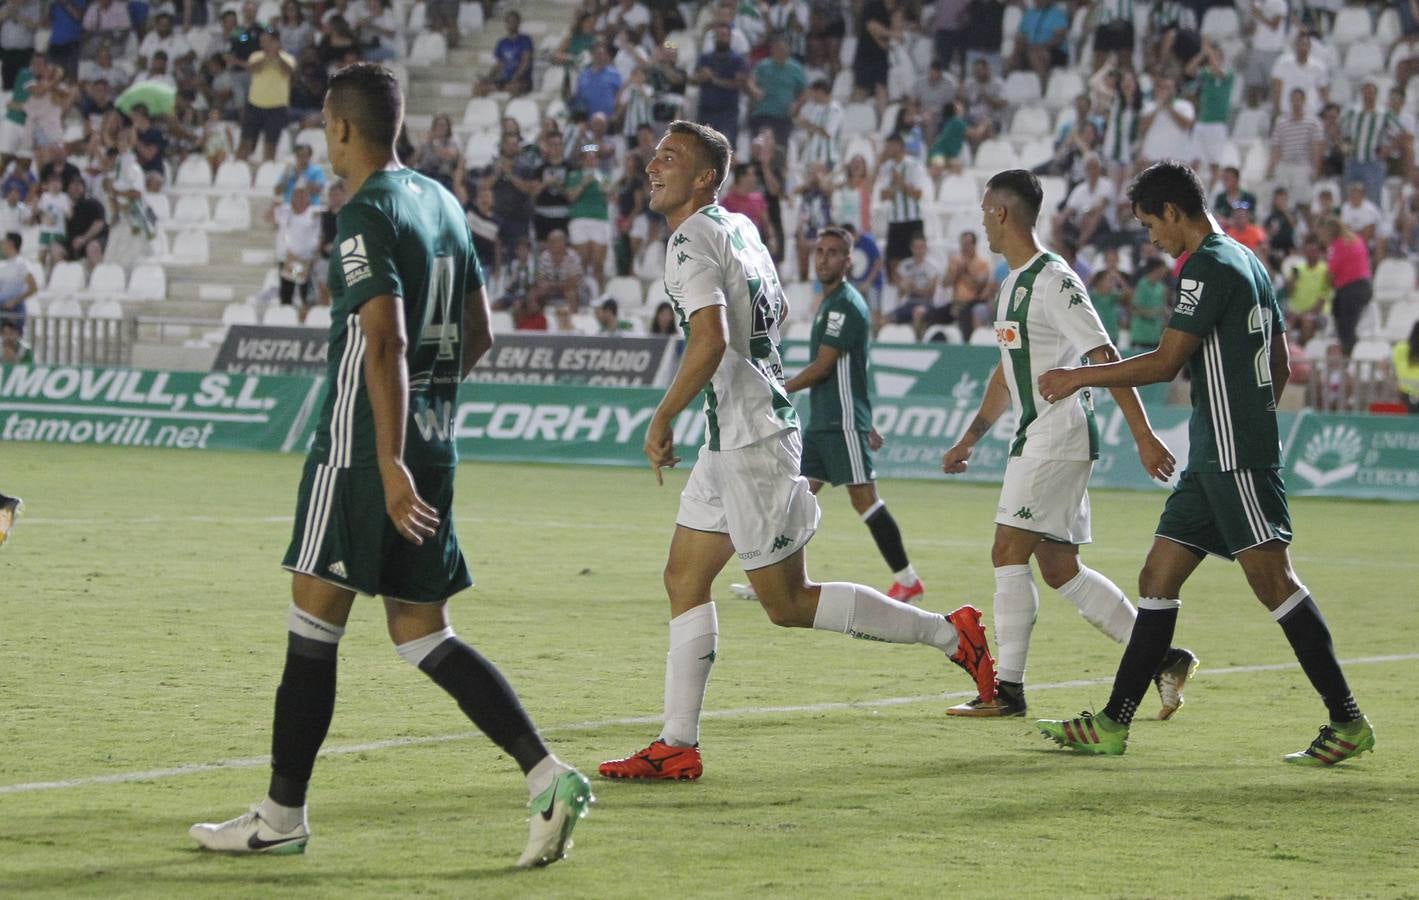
pixel 137 408
pixel 919 416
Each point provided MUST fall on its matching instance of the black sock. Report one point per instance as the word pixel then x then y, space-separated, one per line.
pixel 305 703
pixel 888 537
pixel 1152 636
pixel 486 698
pixel 1310 638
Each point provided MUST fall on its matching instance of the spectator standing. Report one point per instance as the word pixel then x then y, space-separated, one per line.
pixel 548 187
pixel 1120 146
pixel 820 121
pixel 1231 194
pixel 163 38
pixel 1241 228
pixel 901 181
pixel 107 20
pixel 1349 262
pixel 1172 27
pixel 1040 41
pixel 814 213
pixel 791 21
pixel 269 98
pixel 599 83
pixel 948 27
pixel 516 277
pixel 297 33
pixel 871 62
pixel 1165 126
pixel 1308 292
pixel 1111 292
pixel 1406 369
pixel 14 212
pixel 17 282
pixel 1213 82
pixel 1297 143
pixel 768 161
pixel 297 245
pixel 131 226
pixel 745 198
pixel 1400 153
pixel 1280 226
pixel 985 33
pixel 13 134
pixel 635 105
pixel 512 69
pixel 1360 214
pixel 1366 131
pixel 589 213
pixel 775 87
pixel 51 213
pixel 66 33
pixel 320 272
pixel 867 267
pixel 1300 69
pixel 50 97
pixel 721 75
pixel 1269 21
pixel 19 20
pixel 512 188
pixel 483 224
pixel 1149 308
pixel 378 30
pixel 1113 28
pixel 852 199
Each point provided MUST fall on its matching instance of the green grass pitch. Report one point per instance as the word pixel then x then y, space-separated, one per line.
pixel 142 630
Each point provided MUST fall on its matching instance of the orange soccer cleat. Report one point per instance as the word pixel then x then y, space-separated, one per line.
pixel 972 652
pixel 904 594
pixel 659 761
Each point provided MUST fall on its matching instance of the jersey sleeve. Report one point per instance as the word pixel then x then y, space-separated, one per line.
pixel 473 271
pixel 694 272
pixel 843 327
pixel 1068 308
pixel 1202 296
pixel 364 245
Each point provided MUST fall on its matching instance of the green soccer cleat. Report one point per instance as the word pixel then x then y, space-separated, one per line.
pixel 1336 743
pixel 555 813
pixel 1090 733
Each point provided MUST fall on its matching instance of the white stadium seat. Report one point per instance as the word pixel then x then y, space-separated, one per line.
pixel 1022 88
pixel 64 308
pixel 233 213
pixel 107 280
pixel 859 118
pixel 1394 279
pixel 470 18
pixel 1363 58
pixel 1030 122
pixel 66 279
pixel 234 174
pixel 194 172
pixel 280 315
pixel 525 111
pixel 314 138
pixel 267 176
pixel 418 16
pixel 481 149
pixel 995 155
pixel 1400 319
pixel 106 309
pixel 958 192
pixel 239 314
pixel 190 248
pixel 983 337
pixel 161 205
pixel 896 334
pixel 148 282
pixel 1221 23
pixel 627 292
pixel 318 317
pixel 1064 86
pixel 1352 24
pixel 429 49
pixel 480 113
pixel 191 212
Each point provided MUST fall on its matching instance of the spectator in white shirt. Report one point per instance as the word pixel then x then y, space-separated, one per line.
pixel 297 245
pixel 1300 70
pixel 1297 142
pixel 1268 39
pixel 1165 125
pixel 1089 205
pixel 163 38
pixel 1360 214
pixel 103 67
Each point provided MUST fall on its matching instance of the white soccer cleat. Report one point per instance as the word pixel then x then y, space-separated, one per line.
pixel 249 833
pixel 1178 666
pixel 744 592
pixel 555 813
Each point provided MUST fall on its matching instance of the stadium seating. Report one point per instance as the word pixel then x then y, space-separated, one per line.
pixel 896 334
pixel 190 248
pixel 64 307
pixel 1400 319
pixel 429 48
pixel 1394 279
pixel 234 175
pixel 947 334
pixel 106 309
pixel 148 282
pixel 1022 88
pixel 524 111
pixel 66 279
pixel 1352 24
pixel 194 172
pixel 627 292
pixel 191 212
pixel 318 317
pixel 239 314
pixel 280 315
pixel 232 213
pixel 107 280
pixel 1221 23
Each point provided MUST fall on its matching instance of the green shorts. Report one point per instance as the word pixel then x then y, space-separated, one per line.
pixel 1224 513
pixel 837 457
pixel 343 535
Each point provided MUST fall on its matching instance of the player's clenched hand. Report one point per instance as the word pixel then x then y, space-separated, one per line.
pixel 1157 459
pixel 415 519
pixel 660 448
pixel 1056 384
pixel 875 440
pixel 956 460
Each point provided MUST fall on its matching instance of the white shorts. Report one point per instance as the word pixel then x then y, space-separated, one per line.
pixel 1047 496
pixel 1209 142
pixel 12 137
pixel 756 496
pixel 589 231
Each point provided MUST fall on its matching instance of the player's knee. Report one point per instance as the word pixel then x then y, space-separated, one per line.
pixel 784 613
pixel 1057 572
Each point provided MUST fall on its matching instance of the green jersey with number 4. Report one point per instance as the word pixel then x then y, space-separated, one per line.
pixel 402 234
pixel 1225 297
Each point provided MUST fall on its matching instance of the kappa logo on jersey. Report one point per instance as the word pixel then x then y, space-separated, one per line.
pixel 780 542
pixel 1017 299
pixel 1007 334
pixel 354 262
pixel 1068 284
pixel 679 239
pixel 1189 293
pixel 1076 300
pixel 835 323
pixel 681 257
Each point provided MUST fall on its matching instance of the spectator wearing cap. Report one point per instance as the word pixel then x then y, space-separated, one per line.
pixel 268 100
pixel 1231 194
pixel 1297 142
pixel 775 86
pixel 1366 131
pixel 1300 69
pixel 19 20
pixel 66 33
pixel 163 38
pixel 302 172
pixel 721 74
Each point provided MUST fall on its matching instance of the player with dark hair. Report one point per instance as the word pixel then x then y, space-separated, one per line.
pixel 745 495
pixel 1043 319
pixel 10 509
pixel 1230 502
pixel 374 515
pixel 840 440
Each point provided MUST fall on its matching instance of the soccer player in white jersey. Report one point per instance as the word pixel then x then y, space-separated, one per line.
pixel 745 496
pixel 1043 314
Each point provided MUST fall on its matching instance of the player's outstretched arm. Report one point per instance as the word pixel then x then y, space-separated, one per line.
pixel 704 348
pixel 817 370
pixel 1158 461
pixel 1162 364
pixel 992 406
pixel 477 328
pixel 387 383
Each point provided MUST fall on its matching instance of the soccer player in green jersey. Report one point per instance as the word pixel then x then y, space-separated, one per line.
pixel 840 440
pixel 745 497
pixel 374 516
pixel 1230 502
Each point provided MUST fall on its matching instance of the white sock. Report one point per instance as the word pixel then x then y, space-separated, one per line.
pixel 544 773
pixel 1101 603
pixel 906 577
pixel 694 641
pixel 859 611
pixel 1016 605
pixel 284 819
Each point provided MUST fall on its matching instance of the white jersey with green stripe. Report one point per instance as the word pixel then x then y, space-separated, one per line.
pixel 1044 320
pixel 715 258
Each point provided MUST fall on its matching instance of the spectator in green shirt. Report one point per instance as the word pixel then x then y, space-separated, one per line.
pixel 945 152
pixel 774 89
pixel 1109 291
pixel 1149 308
pixel 590 227
pixel 1213 81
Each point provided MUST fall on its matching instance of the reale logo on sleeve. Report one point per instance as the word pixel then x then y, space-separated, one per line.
pixel 835 322
pixel 1189 293
pixel 354 262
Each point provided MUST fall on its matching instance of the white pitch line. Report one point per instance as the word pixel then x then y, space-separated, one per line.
pixel 597 724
